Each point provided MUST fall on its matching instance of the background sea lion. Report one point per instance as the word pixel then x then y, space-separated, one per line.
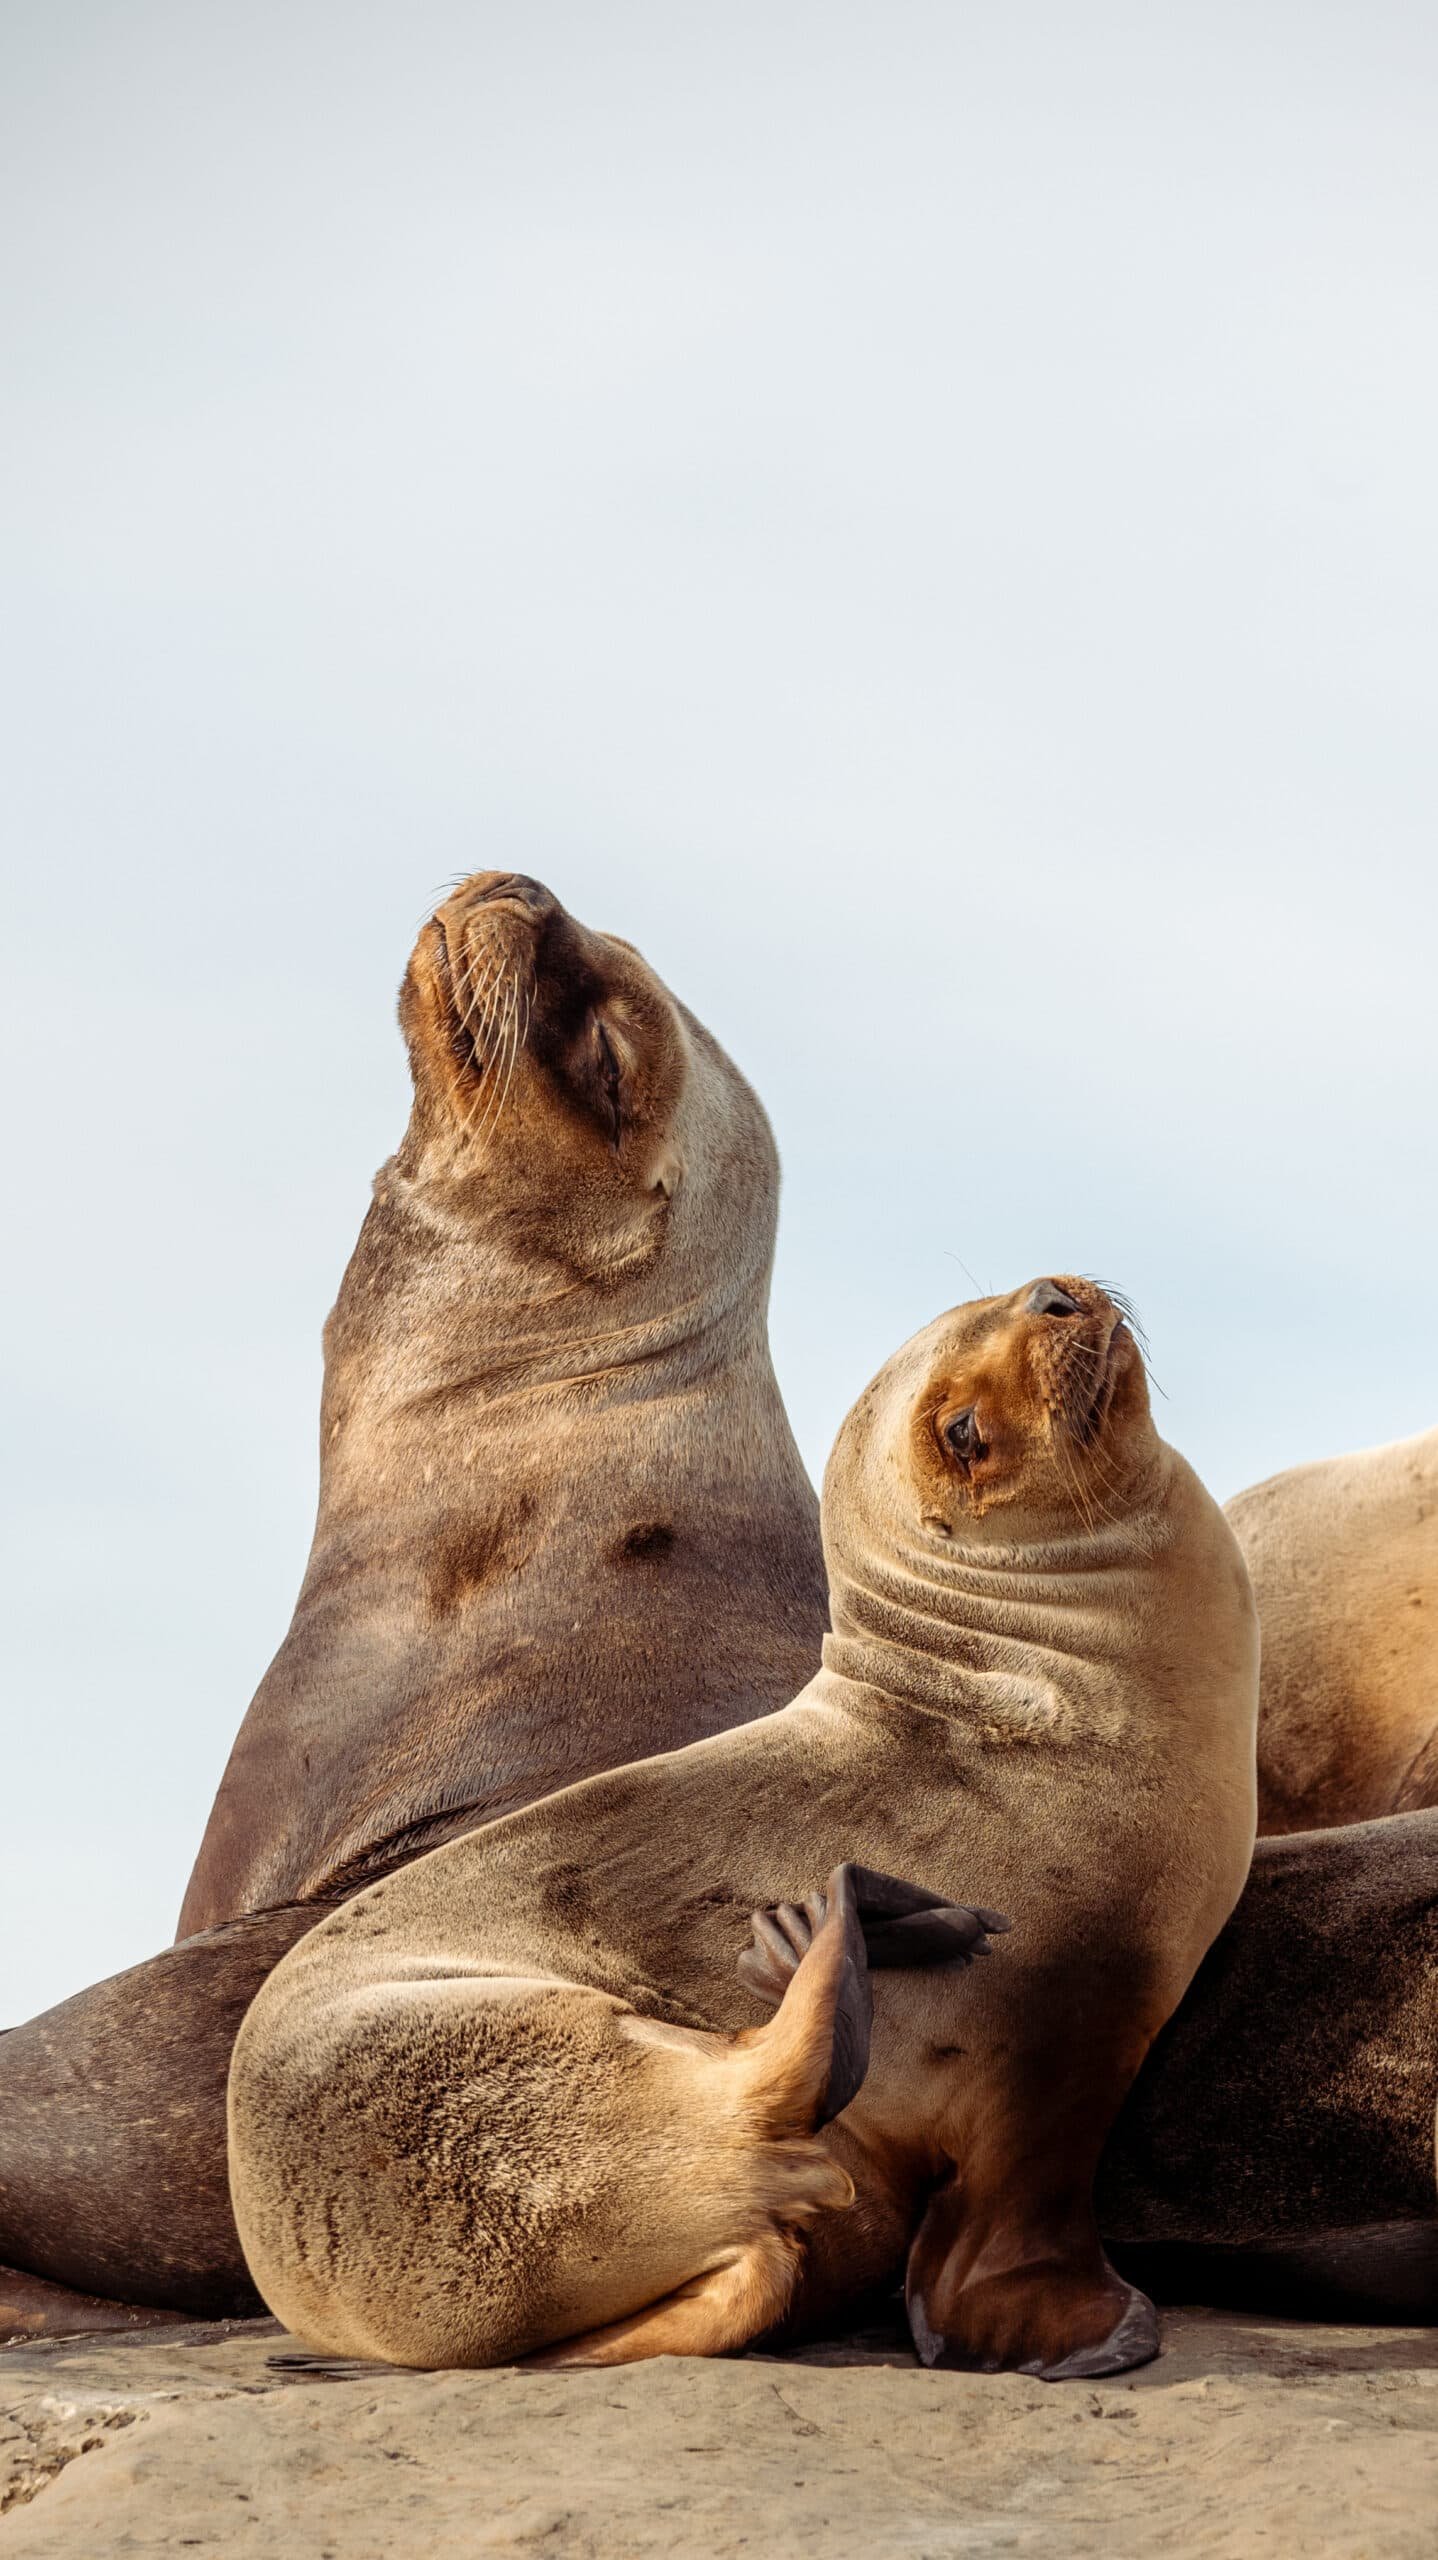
pixel 552 1446
pixel 513 2095
pixel 1277 2149
pixel 1344 1561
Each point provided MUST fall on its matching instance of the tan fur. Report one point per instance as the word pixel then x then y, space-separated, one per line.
pixel 551 1439
pixel 1344 1561
pixel 455 2140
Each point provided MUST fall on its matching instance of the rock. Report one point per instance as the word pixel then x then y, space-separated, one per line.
pixel 1248 2436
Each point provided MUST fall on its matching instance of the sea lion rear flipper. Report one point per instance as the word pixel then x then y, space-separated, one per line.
pixel 816 2047
pixel 711 2316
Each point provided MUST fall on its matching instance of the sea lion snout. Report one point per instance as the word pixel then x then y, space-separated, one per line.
pixel 1046 1298
pixel 547 1059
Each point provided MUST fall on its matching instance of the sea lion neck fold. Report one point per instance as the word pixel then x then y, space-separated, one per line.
pixel 478 1338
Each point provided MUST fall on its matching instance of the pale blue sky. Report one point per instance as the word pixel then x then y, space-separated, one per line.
pixel 923 518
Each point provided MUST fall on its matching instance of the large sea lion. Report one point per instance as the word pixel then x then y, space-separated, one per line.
pixel 552 1448
pixel 551 1439
pixel 514 2096
pixel 1344 1561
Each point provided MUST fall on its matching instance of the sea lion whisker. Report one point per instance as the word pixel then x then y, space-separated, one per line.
pixel 484 1045
pixel 484 1033
pixel 1126 1308
pixel 1108 1483
pixel 439 898
pixel 506 1051
pixel 498 995
pixel 481 1116
pixel 471 1012
pixel 1081 1433
pixel 1065 1462
pixel 512 1047
pixel 1090 1494
pixel 481 1065
pixel 474 999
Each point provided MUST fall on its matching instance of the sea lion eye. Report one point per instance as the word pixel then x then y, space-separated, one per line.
pixel 962 1437
pixel 611 1080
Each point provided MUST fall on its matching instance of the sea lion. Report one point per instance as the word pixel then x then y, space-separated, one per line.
pixel 552 1446
pixel 1344 1561
pixel 514 2098
pixel 1277 2149
pixel 551 1439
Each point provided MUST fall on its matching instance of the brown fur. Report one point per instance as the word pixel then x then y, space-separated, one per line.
pixel 551 1444
pixel 1344 1562
pixel 1278 2148
pixel 506 2098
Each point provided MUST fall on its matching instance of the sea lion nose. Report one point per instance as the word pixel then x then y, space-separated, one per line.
pixel 1048 1299
pixel 492 885
pixel 510 884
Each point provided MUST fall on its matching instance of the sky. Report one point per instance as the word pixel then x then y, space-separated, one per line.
pixel 923 518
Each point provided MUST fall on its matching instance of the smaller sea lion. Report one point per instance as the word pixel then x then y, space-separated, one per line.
pixel 514 2098
pixel 1343 1557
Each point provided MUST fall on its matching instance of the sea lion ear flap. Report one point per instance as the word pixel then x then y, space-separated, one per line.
pixel 811 2059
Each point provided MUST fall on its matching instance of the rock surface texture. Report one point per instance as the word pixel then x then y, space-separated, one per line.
pixel 1249 2436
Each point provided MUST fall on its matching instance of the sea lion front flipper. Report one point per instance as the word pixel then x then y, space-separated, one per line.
pixel 903 1924
pixel 33 2307
pixel 1040 2298
pixel 951 1935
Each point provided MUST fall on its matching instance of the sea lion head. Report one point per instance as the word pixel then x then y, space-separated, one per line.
pixel 566 1107
pixel 1013 1421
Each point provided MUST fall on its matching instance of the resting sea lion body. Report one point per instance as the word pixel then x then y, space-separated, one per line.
pixel 552 1447
pixel 1344 1561
pixel 1277 2149
pixel 514 2096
